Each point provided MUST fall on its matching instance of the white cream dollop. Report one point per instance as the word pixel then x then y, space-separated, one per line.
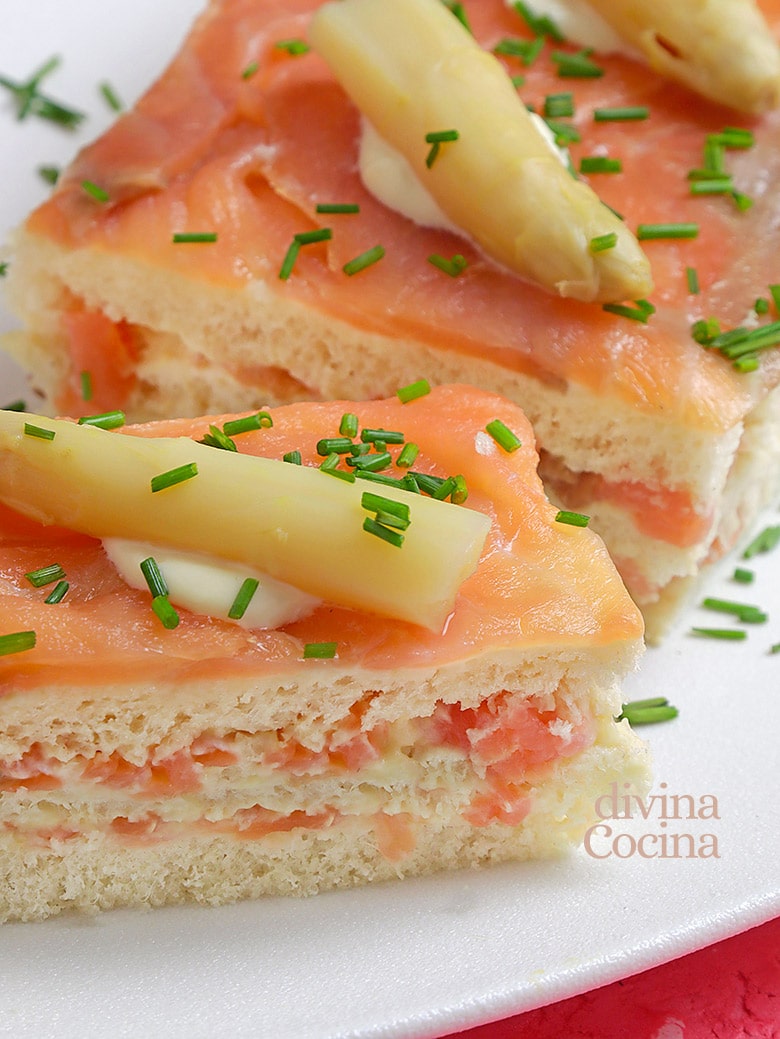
pixel 207 585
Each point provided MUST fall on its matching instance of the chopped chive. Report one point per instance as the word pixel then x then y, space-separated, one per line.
pixel 371 463
pixel 106 420
pixel 217 438
pixel 763 542
pixel 320 650
pixel 725 634
pixel 748 363
pixel 16 642
pixel 49 174
pixel 95 191
pixel 387 436
pixel 621 114
pixel 337 207
pixel 648 232
pixel 86 385
pixel 45 575
pixel 293 457
pixel 58 593
pixel 514 47
pixel 744 612
pixel 775 648
pixel 539 24
pixel 383 478
pixel 454 266
pixel 409 483
pixel 180 474
pixel 319 234
pixel 436 138
pixel 348 426
pixel 761 306
pixel 243 598
pixel 641 311
pixel 153 577
pixel 190 237
pixel 427 483
pixel 711 186
pixel 564 133
pixel 15 405
pixel 330 466
pixel 705 330
pixel 294 47
pixel 392 537
pixel 30 101
pixel 648 712
pixel 603 242
pixel 460 13
pixel 743 576
pixel 408 456
pixel 3 268
pixel 503 435
pixel 460 492
pixel 517 81
pixel 735 137
pixel 331 445
pixel 446 489
pixel 111 97
pixel 289 260
pixel 387 519
pixel 577 66
pixel 378 503
pixel 250 70
pixel 742 201
pixel 366 259
pixel 572 519
pixel 692 278
pixel 248 423
pixel 557 106
pixel 362 449
pixel 31 430
pixel 774 292
pixel 600 164
pixel 165 612
pixel 413 391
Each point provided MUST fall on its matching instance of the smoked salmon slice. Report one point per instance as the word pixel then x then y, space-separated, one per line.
pixel 142 763
pixel 653 417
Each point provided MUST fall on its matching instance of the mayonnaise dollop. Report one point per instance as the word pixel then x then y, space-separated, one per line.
pixel 209 586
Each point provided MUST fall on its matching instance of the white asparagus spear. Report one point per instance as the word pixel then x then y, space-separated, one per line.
pixel 412 69
pixel 722 49
pixel 293 522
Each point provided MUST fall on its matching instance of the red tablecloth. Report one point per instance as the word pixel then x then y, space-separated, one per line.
pixel 727 991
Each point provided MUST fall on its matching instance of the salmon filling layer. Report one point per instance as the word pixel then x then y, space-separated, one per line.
pixel 484 760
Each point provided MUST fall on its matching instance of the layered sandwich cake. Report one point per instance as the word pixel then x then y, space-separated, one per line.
pixel 324 201
pixel 310 647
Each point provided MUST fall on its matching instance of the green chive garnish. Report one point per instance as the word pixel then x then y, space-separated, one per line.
pixel 348 426
pixel 15 405
pixel 725 634
pixel 248 423
pixel 436 138
pixel 45 575
pixel 743 576
pixel 243 598
pixel 329 445
pixel 774 292
pixel 289 260
pixel 330 466
pixel 559 105
pixel 383 478
pixel 366 259
pixel 106 420
pixel 95 191
pixel 692 279
pixel 743 611
pixel 338 207
pixel 413 391
pixel 761 306
pixel 459 11
pixel 293 457
pixel 378 503
pixel 320 650
pixel 319 234
pixel 564 133
pixel 572 519
pixel 386 436
pixel 577 65
pixel 179 474
pixel 625 114
pixel 603 242
pixel 50 174
pixel 31 430
pixel 763 542
pixel 649 232
pixel 600 164
pixel 294 47
pixel 408 456
pixel 217 438
pixel 3 268
pixel 647 712
pixel 165 612
pixel 30 101
pixel 371 463
pixel 503 435
pixel 16 642
pixel 153 577
pixel 111 97
pixel 539 24
pixel 641 311
pixel 86 385
pixel 392 537
pixel 250 70
pixel 190 237
pixel 454 266
pixel 58 593
pixel 514 47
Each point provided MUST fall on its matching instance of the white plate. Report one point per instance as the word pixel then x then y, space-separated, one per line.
pixel 427 956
